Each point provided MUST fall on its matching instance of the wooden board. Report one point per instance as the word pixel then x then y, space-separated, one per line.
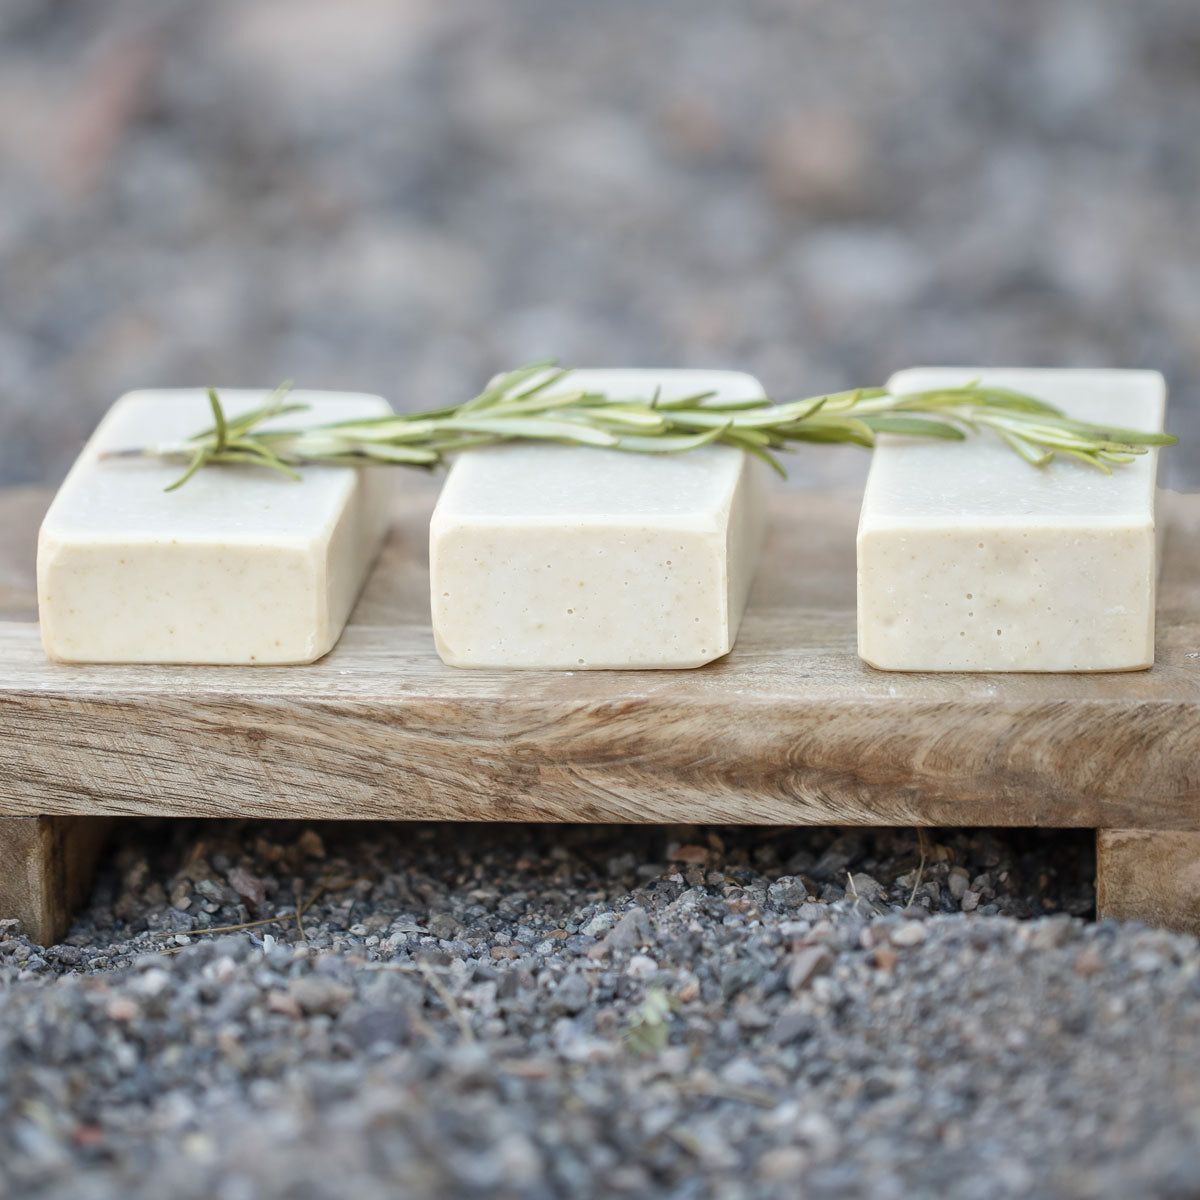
pixel 790 728
pixel 1149 876
pixel 46 866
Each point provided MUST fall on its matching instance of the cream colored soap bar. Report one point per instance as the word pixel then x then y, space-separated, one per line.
pixel 239 566
pixel 566 558
pixel 970 559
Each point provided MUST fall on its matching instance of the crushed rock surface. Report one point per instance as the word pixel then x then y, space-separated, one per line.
pixel 532 1011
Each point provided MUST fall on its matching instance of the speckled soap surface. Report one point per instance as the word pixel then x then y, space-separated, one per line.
pixel 240 566
pixel 971 559
pixel 573 558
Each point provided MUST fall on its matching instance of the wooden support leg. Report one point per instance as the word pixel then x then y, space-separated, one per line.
pixel 1149 876
pixel 46 866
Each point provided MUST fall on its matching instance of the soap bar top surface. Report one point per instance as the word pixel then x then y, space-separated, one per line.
pixel 117 499
pixel 921 480
pixel 526 482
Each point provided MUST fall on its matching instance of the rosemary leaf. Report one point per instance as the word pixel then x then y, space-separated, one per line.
pixel 627 416
pixel 697 400
pixel 398 454
pixel 913 426
pixel 740 438
pixel 531 427
pixel 388 429
pixel 1029 452
pixel 257 458
pixel 198 460
pixel 504 385
pixel 221 432
pixel 669 444
pixel 832 429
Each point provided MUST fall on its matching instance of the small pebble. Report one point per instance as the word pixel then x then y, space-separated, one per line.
pixel 911 933
pixel 317 994
pixel 806 964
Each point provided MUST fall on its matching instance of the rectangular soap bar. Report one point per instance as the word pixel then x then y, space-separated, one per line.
pixel 239 566
pixel 571 558
pixel 971 559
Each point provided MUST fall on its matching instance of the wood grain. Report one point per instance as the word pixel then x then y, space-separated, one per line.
pixel 46 866
pixel 1149 876
pixel 789 728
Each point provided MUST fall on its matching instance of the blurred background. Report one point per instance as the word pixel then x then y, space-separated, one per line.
pixel 405 197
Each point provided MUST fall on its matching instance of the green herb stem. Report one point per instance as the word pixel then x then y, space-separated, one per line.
pixel 530 404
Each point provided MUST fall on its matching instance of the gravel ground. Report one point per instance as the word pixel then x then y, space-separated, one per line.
pixel 404 198
pixel 536 1012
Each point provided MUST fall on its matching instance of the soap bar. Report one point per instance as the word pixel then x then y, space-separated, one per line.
pixel 971 559
pixel 241 565
pixel 571 558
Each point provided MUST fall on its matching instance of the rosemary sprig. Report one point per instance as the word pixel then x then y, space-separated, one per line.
pixel 534 403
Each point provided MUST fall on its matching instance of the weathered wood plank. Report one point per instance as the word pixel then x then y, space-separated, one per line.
pixel 46 866
pixel 791 727
pixel 1149 876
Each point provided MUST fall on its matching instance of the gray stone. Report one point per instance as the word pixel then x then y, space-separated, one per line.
pixel 571 995
pixel 806 964
pixel 318 994
pixel 369 1027
pixel 630 932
